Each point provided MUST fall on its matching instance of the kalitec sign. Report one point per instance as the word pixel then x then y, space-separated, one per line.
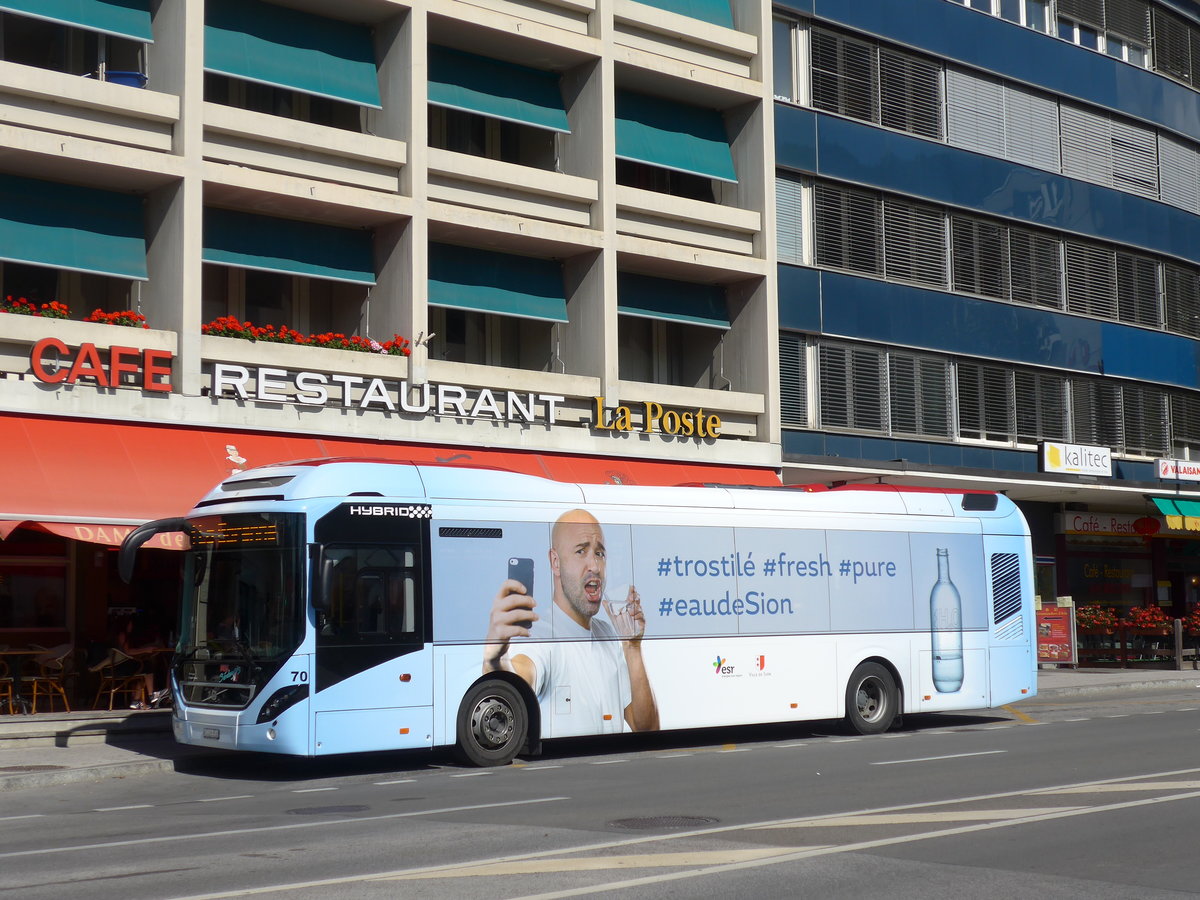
pixel 270 385
pixel 1178 470
pixel 53 362
pixel 1076 459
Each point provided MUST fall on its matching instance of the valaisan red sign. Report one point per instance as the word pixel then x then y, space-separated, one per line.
pixel 53 362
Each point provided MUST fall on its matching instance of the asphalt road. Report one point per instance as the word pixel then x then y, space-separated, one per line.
pixel 1090 796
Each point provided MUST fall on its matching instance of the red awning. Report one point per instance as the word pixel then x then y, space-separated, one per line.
pixel 92 480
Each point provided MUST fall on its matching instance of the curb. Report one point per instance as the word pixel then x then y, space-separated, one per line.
pixel 1192 682
pixel 83 774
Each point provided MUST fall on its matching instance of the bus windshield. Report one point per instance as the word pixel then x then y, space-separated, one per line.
pixel 243 610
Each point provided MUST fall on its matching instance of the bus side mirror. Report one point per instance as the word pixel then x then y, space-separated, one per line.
pixel 322 578
pixel 139 536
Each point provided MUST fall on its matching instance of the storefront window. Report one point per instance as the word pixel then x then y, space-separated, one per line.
pixel 33 594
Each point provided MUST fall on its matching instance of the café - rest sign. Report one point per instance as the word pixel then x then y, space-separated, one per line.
pixel 53 362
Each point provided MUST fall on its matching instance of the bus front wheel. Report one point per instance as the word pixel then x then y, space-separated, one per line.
pixel 872 701
pixel 492 724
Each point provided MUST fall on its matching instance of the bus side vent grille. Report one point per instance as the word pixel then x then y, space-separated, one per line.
pixel 471 532
pixel 1006 585
pixel 1012 630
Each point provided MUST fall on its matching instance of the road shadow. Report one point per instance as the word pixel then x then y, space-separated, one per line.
pixel 239 766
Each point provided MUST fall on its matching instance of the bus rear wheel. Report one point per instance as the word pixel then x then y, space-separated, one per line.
pixel 492 724
pixel 872 701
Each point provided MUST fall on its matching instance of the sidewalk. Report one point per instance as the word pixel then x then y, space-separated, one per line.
pixel 53 749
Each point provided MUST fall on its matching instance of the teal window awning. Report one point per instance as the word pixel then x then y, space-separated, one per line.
pixel 500 283
pixel 501 90
pixel 122 18
pixel 249 241
pixel 715 12
pixel 45 223
pixel 647 297
pixel 269 44
pixel 673 136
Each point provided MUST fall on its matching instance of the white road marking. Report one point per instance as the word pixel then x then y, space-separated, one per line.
pixel 398 781
pixel 1122 716
pixel 29 816
pixel 1077 720
pixel 119 808
pixel 603 863
pixel 291 826
pixel 312 790
pixel 222 799
pixel 735 750
pixel 922 818
pixel 609 762
pixel 672 755
pixel 1128 786
pixel 539 768
pixel 898 762
pixel 470 774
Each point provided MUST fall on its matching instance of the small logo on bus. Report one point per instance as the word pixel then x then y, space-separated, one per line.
pixel 405 512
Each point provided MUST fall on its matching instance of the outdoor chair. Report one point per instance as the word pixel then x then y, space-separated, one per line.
pixel 6 688
pixel 120 673
pixel 49 681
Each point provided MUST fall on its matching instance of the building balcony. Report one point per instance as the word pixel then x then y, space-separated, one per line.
pixel 678 220
pixel 287 146
pixel 464 180
pixel 648 29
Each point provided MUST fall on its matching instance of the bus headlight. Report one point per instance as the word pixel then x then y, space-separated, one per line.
pixel 282 699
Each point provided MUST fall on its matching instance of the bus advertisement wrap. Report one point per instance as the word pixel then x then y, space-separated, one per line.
pixel 623 588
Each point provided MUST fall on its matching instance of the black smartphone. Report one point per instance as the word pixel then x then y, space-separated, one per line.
pixel 520 568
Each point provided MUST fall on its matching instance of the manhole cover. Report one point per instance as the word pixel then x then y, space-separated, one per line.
pixel 325 810
pixel 651 822
pixel 23 769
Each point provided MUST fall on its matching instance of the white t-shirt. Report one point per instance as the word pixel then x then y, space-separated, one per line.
pixel 580 678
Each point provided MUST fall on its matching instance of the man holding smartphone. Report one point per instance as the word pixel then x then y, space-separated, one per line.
pixel 588 674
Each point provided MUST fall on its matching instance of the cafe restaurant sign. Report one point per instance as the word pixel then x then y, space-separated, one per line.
pixel 53 362
pixel 271 385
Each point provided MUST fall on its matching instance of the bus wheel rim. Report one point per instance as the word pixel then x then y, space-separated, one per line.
pixel 492 723
pixel 871 699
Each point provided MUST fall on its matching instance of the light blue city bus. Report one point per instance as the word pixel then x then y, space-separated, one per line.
pixel 341 606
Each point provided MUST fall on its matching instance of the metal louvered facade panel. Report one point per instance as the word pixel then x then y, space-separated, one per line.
pixel 1091 280
pixel 1086 145
pixel 1185 423
pixel 789 220
pixel 1089 12
pixel 847 230
pixel 852 385
pixel 1179 173
pixel 1006 586
pixel 793 380
pixel 985 402
pixel 1134 159
pixel 1031 129
pixel 1041 406
pixel 1172 46
pixel 1035 261
pixel 975 113
pixel 1137 290
pixel 910 94
pixel 1096 414
pixel 1146 420
pixel 1181 299
pixel 918 395
pixel 844 75
pixel 1129 19
pixel 914 243
pixel 979 252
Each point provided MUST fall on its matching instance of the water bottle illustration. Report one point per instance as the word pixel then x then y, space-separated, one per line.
pixel 945 621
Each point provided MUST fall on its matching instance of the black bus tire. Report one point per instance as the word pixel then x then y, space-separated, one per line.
pixel 872 701
pixel 493 724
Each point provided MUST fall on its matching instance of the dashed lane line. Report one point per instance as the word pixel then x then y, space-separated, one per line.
pixel 898 762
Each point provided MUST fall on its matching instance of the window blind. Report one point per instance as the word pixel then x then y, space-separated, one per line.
pixel 789 220
pixel 793 380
